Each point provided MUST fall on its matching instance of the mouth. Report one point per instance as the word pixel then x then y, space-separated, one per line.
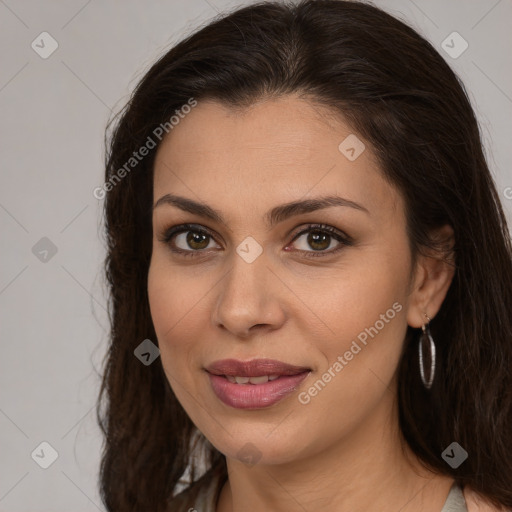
pixel 251 380
pixel 255 369
pixel 254 384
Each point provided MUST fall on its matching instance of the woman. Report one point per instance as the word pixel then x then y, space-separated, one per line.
pixel 300 216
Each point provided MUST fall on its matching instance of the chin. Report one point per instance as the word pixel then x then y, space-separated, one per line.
pixel 258 447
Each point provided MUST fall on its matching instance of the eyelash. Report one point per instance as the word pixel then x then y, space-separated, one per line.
pixel 339 236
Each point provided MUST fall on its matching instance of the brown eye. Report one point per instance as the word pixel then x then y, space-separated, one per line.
pixel 195 240
pixel 191 240
pixel 320 238
pixel 187 239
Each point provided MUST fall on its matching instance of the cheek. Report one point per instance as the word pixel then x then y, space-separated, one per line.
pixel 175 305
pixel 171 300
pixel 365 313
pixel 363 296
pixel 367 322
pixel 174 294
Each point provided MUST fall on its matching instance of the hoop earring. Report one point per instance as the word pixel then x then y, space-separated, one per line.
pixel 426 340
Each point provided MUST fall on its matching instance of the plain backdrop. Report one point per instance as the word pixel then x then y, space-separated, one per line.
pixel 53 113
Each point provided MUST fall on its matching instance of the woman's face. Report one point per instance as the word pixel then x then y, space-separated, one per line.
pixel 333 305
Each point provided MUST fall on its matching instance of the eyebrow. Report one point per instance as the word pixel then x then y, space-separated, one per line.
pixel 272 217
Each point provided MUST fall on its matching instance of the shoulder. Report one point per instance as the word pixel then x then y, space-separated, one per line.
pixel 476 503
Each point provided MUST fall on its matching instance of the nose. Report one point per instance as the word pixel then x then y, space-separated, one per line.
pixel 248 299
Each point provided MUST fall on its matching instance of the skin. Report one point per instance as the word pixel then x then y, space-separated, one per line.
pixel 342 451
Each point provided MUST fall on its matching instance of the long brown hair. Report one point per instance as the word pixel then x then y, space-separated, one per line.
pixel 401 97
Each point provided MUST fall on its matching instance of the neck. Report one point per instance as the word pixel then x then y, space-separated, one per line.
pixel 369 469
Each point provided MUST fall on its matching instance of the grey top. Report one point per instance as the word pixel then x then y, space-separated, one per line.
pixel 455 501
pixel 207 497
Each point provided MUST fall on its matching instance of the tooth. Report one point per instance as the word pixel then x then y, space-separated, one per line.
pixel 242 380
pixel 258 380
pixel 230 378
pixel 273 377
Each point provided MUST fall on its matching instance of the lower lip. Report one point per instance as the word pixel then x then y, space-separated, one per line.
pixel 255 396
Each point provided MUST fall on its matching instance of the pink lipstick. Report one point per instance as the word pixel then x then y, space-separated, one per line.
pixel 254 384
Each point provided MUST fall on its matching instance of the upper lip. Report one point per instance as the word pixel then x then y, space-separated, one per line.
pixel 254 368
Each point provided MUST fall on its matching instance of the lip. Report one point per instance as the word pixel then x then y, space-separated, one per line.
pixel 254 368
pixel 254 396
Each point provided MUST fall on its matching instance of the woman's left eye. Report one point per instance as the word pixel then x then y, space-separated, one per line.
pixel 319 238
pixel 195 239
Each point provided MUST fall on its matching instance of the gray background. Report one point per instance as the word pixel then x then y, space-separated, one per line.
pixel 53 114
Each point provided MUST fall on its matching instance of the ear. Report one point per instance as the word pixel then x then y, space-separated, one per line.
pixel 432 278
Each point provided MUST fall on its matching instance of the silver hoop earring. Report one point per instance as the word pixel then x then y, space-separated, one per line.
pixel 427 341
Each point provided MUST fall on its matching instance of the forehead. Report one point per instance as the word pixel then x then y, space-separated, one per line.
pixel 284 148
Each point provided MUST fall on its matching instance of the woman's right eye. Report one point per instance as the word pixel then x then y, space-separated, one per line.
pixel 187 239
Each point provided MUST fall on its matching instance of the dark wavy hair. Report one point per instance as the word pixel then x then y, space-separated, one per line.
pixel 400 96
